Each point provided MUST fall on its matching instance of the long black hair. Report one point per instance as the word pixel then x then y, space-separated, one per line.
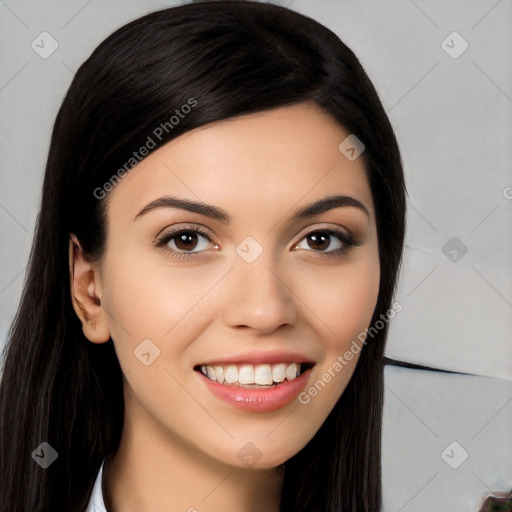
pixel 232 58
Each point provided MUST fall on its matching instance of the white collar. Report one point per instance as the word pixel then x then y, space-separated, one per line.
pixel 97 504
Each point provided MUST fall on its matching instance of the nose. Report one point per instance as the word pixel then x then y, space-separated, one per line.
pixel 257 296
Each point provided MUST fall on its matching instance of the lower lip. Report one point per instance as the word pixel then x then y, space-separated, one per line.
pixel 259 400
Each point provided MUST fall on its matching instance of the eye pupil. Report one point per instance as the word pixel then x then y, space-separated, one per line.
pixel 186 239
pixel 322 238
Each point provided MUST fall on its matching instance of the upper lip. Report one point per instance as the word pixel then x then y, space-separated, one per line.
pixel 254 358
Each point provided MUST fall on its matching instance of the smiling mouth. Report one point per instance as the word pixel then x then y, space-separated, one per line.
pixel 254 376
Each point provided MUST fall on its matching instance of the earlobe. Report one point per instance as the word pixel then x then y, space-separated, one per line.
pixel 86 294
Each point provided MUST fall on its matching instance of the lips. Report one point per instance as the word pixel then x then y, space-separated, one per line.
pixel 261 382
pixel 258 399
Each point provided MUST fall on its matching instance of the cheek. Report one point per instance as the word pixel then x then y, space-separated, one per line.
pixel 343 300
pixel 145 299
pixel 144 295
pixel 139 305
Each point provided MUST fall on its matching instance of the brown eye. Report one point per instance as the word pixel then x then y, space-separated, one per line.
pixel 185 241
pixel 322 239
pixel 182 242
pixel 318 241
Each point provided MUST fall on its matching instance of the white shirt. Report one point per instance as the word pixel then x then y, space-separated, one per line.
pixel 96 503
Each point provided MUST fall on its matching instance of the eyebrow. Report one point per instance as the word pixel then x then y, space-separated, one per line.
pixel 214 212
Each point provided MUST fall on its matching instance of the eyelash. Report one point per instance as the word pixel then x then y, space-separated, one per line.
pixel 346 240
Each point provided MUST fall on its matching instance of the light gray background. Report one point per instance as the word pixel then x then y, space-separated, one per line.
pixel 452 115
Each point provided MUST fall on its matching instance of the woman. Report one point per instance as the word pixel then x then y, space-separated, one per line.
pixel 183 342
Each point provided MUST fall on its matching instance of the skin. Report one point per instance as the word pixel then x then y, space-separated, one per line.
pixel 179 444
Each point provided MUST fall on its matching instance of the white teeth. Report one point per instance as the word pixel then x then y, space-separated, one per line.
pixel 219 373
pixel 231 374
pixel 278 372
pixel 292 370
pixel 263 375
pixel 252 375
pixel 210 371
pixel 246 374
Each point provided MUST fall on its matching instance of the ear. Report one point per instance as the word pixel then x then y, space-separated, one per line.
pixel 86 294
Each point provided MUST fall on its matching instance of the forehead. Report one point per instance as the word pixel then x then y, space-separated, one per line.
pixel 285 156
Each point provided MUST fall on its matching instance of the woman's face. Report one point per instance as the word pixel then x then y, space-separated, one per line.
pixel 260 292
